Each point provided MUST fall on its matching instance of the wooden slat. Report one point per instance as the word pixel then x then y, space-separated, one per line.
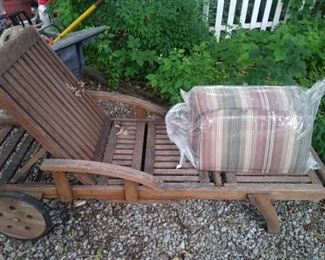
pixel 127 137
pixel 166 147
pixel 204 176
pixel 127 157
pixel 162 136
pixel 161 131
pixel 174 178
pixel 150 148
pixel 38 78
pixel 108 154
pixel 60 82
pixel 19 113
pixel 11 146
pixel 171 165
pixel 270 174
pixel 124 141
pixel 313 177
pixel 124 146
pixel 122 152
pixel 131 191
pixel 122 162
pixel 163 153
pixel 160 126
pixel 87 102
pixel 53 113
pixel 274 179
pixel 4 133
pixel 166 158
pixel 26 100
pixel 275 186
pixel 217 178
pixel 23 171
pixel 230 177
pixel 16 160
pixel 176 171
pixel 102 141
pixel 164 141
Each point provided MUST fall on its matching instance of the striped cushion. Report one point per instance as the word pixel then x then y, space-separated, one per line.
pixel 250 129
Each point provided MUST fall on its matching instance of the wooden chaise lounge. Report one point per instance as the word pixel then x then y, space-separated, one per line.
pixel 126 160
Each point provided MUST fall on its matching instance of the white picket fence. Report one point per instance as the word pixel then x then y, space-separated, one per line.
pixel 228 15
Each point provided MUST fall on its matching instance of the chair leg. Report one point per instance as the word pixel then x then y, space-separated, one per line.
pixel 263 203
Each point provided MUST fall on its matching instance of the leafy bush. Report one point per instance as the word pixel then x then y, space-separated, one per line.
pixel 139 32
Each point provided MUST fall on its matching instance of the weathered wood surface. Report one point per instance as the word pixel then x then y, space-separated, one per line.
pixel 263 203
pixel 46 100
pixel 174 192
pixel 15 157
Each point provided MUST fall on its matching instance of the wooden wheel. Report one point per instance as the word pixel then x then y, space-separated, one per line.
pixel 22 216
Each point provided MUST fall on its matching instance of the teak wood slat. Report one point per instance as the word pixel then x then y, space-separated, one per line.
pixel 109 152
pixel 11 146
pixel 36 88
pixel 150 148
pixel 23 171
pixel 4 133
pixel 131 191
pixel 9 172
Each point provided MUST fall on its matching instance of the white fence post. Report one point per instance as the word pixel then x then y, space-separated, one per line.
pixel 219 14
pixel 258 18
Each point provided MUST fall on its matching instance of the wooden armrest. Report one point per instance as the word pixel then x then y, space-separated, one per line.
pixel 117 97
pixel 105 169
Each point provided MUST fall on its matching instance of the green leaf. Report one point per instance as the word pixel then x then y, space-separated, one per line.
pixel 280 55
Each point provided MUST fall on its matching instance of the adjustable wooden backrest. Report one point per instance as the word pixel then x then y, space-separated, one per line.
pixel 38 90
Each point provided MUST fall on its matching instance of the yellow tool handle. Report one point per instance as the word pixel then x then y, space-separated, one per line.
pixel 77 21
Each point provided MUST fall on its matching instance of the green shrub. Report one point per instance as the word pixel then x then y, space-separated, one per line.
pixel 139 32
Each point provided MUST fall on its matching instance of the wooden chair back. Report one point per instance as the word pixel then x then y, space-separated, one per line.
pixel 47 100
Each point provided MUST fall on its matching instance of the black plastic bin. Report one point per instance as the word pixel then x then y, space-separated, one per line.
pixel 69 49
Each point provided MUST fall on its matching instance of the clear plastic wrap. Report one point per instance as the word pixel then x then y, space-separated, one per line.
pixel 264 129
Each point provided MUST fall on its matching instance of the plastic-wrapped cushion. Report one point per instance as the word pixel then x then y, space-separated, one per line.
pixel 261 129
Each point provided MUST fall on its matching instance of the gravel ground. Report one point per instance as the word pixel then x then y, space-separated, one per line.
pixel 180 230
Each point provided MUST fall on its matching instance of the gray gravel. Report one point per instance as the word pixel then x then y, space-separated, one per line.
pixel 180 230
pixel 190 230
